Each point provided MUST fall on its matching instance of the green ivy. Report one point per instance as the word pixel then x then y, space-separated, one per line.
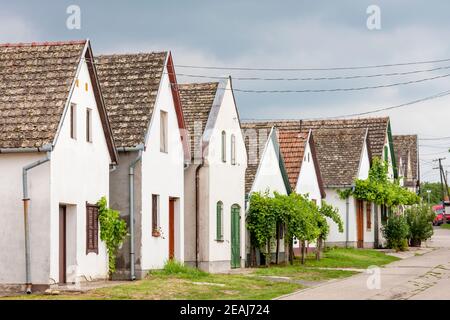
pixel 113 231
pixel 378 189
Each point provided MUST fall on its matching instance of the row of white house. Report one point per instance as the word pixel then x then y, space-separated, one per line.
pixel 174 159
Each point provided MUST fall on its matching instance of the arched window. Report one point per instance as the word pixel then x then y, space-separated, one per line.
pixel 219 221
pixel 224 146
pixel 233 149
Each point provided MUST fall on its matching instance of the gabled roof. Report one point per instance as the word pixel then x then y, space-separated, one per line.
pixel 405 147
pixel 378 128
pixel 130 84
pixel 197 100
pixel 339 153
pixel 257 138
pixel 36 81
pixel 293 144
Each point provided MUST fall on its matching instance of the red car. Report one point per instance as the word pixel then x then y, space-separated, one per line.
pixel 439 219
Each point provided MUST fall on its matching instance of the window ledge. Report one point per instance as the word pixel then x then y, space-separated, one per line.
pixel 220 240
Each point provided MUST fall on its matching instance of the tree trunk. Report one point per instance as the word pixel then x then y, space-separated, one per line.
pixel 252 256
pixel 303 248
pixel 268 254
pixel 318 248
pixel 278 244
pixel 291 250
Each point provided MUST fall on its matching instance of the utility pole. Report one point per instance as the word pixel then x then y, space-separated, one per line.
pixel 444 185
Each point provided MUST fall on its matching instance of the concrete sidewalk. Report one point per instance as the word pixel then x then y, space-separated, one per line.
pixel 424 276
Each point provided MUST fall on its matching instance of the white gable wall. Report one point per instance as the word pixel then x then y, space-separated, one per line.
pixel 269 176
pixel 79 174
pixel 226 183
pixel 307 182
pixel 163 175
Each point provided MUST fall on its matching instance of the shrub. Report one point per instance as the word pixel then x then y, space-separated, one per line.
pixel 396 232
pixel 419 219
pixel 176 268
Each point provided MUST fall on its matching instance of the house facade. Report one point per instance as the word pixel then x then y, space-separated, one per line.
pixel 343 156
pixel 215 178
pixel 56 149
pixel 148 127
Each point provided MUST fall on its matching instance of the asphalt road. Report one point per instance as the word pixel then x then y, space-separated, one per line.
pixel 421 277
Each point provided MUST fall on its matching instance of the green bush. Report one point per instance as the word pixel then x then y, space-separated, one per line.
pixel 175 268
pixel 396 232
pixel 419 219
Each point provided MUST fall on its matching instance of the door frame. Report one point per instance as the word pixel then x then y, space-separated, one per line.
pixel 62 241
pixel 172 202
pixel 360 223
pixel 235 211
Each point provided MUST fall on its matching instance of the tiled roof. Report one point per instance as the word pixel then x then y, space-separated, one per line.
pixel 293 144
pixel 130 85
pixel 197 100
pixel 339 154
pixel 255 137
pixel 377 128
pixel 35 81
pixel 404 146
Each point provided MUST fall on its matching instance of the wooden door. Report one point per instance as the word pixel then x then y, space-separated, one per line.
pixel 360 223
pixel 171 228
pixel 62 244
pixel 235 237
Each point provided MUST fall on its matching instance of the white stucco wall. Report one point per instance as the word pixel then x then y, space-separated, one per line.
pixel 79 174
pixel 334 235
pixel 163 175
pixel 12 253
pixel 269 176
pixel 226 182
pixel 307 182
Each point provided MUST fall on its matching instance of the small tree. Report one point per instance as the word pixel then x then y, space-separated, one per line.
pixel 326 211
pixel 261 223
pixel 396 232
pixel 419 219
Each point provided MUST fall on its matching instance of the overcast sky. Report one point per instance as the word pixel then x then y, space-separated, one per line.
pixel 271 34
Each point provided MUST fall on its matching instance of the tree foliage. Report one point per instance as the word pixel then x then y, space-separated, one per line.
pixel 113 230
pixel 378 189
pixel 435 192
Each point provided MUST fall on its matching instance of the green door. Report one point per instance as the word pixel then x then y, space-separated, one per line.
pixel 235 237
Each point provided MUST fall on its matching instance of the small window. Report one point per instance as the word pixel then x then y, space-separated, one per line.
pixel 369 215
pixel 308 157
pixel 86 87
pixel 163 132
pixel 73 121
pixel 233 149
pixel 155 215
pixel 91 228
pixel 224 146
pixel 89 125
pixel 386 151
pixel 219 221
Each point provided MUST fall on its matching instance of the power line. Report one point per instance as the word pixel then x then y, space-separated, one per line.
pixel 435 96
pixel 314 69
pixel 313 78
pixel 432 139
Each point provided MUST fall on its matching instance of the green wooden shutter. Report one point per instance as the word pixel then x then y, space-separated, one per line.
pixel 219 233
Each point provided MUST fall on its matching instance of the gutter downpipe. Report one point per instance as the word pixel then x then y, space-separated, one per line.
pixel 347 209
pixel 197 198
pixel 140 149
pixel 26 206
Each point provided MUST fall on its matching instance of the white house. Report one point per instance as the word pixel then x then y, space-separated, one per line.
pixel 407 155
pixel 265 172
pixel 147 187
pixel 215 179
pixel 56 148
pixel 344 156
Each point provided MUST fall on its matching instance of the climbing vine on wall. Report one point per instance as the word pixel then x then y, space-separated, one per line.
pixel 113 231
pixel 378 189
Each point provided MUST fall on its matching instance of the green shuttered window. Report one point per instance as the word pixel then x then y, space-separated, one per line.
pixel 219 221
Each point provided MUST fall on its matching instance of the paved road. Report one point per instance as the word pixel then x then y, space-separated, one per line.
pixel 418 277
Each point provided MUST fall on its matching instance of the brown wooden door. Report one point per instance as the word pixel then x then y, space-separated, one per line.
pixel 62 245
pixel 171 228
pixel 360 222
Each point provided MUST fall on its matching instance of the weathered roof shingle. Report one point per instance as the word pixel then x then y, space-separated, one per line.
pixel 130 85
pixel 405 147
pixel 339 154
pixel 35 81
pixel 197 100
